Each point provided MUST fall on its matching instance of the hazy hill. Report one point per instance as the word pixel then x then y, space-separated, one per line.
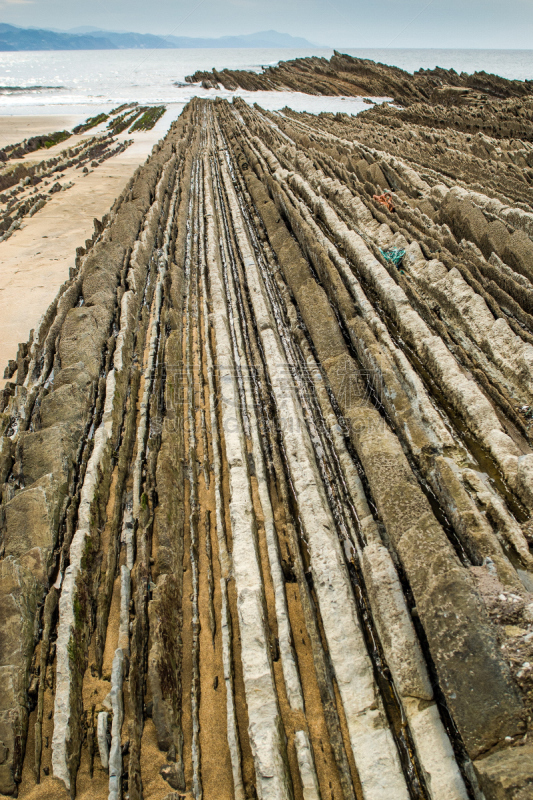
pixel 88 38
pixel 12 38
pixel 128 41
pixel 261 39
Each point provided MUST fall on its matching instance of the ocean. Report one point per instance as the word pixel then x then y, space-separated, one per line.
pixel 87 82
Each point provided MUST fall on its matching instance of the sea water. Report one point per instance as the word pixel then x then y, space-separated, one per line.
pixel 89 81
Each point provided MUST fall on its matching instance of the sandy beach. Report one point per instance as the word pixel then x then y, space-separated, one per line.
pixel 16 128
pixel 35 260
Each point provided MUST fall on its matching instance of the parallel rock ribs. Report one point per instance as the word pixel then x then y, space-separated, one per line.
pixel 266 492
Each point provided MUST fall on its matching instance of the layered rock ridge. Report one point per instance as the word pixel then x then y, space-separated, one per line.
pixel 359 77
pixel 267 476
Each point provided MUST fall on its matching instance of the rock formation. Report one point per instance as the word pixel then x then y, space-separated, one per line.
pixel 267 474
pixel 22 185
pixel 357 77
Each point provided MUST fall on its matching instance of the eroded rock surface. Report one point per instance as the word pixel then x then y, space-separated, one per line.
pixel 266 468
pixel 356 77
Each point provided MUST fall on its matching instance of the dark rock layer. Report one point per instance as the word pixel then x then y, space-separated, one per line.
pixel 358 77
pixel 266 472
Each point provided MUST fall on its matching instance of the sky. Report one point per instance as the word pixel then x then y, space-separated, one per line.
pixel 332 23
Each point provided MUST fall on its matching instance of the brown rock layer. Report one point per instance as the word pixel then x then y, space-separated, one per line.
pixel 267 468
pixel 358 77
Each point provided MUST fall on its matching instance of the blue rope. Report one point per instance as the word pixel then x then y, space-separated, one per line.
pixel 394 256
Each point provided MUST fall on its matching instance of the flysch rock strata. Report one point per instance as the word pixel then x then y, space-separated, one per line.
pixel 350 76
pixel 266 465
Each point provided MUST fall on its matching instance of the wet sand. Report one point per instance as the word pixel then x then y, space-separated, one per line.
pixel 36 259
pixel 14 129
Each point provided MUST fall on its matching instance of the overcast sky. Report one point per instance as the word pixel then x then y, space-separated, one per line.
pixel 334 23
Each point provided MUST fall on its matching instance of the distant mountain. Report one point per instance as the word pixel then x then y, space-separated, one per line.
pixel 85 29
pixel 123 40
pixel 262 39
pixel 89 38
pixel 12 38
